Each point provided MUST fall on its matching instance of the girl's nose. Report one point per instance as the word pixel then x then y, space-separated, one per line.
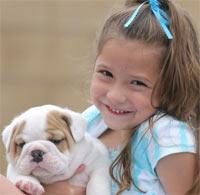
pixel 116 96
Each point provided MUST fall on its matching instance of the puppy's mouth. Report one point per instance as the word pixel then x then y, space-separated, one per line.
pixel 38 170
pixel 41 172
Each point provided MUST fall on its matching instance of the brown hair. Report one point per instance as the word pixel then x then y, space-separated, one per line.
pixel 179 81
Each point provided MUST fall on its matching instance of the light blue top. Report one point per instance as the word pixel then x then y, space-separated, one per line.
pixel 168 136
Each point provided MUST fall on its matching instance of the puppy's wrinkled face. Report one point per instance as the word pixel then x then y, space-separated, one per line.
pixel 39 141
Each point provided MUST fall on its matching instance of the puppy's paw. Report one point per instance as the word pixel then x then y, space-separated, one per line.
pixel 30 187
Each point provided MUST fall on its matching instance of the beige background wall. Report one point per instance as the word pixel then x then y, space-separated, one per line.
pixel 46 53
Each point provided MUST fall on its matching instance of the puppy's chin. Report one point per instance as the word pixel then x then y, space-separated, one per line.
pixel 53 162
pixel 41 172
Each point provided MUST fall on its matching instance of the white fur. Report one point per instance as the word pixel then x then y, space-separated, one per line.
pixel 57 166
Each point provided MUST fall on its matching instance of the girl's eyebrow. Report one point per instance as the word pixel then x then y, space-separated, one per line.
pixel 101 65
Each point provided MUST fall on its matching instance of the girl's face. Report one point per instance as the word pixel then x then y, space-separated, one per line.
pixel 124 76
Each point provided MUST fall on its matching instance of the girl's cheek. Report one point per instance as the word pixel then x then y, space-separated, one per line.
pixel 94 88
pixel 98 90
pixel 141 101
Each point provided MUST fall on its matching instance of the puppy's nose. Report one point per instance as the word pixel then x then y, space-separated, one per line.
pixel 37 155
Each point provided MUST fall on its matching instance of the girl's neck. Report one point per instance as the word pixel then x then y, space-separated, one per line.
pixel 112 139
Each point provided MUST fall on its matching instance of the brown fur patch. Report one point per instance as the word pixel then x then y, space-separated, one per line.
pixel 58 128
pixel 14 148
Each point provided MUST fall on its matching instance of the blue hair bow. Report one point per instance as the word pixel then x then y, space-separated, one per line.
pixel 160 15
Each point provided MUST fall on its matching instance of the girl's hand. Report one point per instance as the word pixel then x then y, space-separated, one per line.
pixel 63 188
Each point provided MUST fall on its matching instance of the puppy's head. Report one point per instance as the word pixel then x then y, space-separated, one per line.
pixel 39 140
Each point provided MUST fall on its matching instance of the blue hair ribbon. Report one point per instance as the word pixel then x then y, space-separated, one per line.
pixel 130 20
pixel 160 15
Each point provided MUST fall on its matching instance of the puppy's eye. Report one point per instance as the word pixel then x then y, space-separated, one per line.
pixel 21 145
pixel 56 142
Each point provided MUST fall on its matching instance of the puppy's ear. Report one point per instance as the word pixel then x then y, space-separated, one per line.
pixel 77 125
pixel 7 134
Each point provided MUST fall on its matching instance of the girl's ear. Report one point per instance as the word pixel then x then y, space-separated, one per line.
pixel 78 125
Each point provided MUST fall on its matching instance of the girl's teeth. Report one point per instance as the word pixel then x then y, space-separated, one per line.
pixel 118 111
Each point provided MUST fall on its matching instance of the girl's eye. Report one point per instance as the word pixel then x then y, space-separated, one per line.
pixel 105 73
pixel 138 83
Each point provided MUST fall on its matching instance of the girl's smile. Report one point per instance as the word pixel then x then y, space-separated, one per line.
pixel 123 80
pixel 117 112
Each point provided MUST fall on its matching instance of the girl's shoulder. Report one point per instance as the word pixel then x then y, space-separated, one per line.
pixel 166 130
pixel 162 136
pixel 162 126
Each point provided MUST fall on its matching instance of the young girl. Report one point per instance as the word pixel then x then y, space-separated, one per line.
pixel 145 89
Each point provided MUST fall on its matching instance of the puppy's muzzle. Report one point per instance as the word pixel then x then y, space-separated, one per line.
pixel 37 155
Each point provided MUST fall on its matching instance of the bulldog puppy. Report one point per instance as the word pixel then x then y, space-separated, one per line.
pixel 47 144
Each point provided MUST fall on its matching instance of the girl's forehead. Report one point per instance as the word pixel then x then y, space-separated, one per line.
pixel 130 47
pixel 131 55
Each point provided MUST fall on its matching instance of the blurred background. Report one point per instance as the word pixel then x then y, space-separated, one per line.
pixel 47 53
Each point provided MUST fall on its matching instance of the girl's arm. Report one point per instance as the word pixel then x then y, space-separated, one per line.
pixel 63 188
pixel 6 187
pixel 176 172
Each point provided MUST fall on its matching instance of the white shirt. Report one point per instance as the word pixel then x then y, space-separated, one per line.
pixel 167 136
